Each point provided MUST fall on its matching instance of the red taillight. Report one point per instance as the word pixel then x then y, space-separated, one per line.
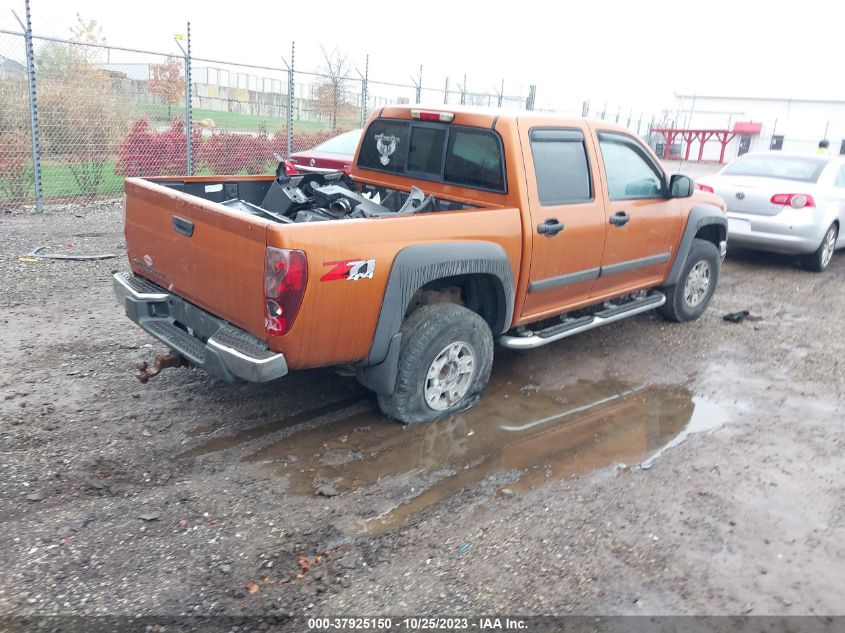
pixel 794 200
pixel 704 187
pixel 290 168
pixel 430 115
pixel 285 278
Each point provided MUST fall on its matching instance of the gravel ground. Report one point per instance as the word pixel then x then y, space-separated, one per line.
pixel 187 496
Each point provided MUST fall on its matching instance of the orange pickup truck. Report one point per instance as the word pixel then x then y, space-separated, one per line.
pixel 457 227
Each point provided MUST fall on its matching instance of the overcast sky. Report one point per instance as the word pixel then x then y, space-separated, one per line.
pixel 633 54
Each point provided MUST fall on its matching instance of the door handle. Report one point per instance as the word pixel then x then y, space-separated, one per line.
pixel 183 226
pixel 620 218
pixel 550 227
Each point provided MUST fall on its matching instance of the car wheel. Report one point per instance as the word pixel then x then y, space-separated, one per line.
pixel 445 359
pixel 818 260
pixel 689 297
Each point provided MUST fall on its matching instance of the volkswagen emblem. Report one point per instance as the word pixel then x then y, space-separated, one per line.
pixel 739 195
pixel 314 162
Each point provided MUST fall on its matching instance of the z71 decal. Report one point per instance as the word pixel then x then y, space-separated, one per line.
pixel 350 270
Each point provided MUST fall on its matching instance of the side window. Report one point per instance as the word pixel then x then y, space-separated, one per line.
pixel 561 166
pixel 840 177
pixel 630 172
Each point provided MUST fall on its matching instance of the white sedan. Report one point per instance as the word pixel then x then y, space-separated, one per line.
pixel 784 203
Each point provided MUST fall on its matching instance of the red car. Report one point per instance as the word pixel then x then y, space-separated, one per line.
pixel 336 154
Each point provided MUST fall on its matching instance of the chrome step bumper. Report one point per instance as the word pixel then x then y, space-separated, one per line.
pixel 556 332
pixel 220 348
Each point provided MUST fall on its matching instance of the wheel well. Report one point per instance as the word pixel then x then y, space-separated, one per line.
pixel 483 294
pixel 714 233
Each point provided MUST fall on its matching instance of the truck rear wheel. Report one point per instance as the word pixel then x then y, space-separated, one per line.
pixel 689 297
pixel 444 364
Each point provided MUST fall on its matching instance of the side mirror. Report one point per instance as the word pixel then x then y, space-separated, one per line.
pixel 680 186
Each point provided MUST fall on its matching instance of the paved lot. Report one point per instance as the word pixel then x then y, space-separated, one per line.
pixel 645 467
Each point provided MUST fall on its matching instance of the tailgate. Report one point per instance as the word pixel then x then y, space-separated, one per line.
pixel 199 250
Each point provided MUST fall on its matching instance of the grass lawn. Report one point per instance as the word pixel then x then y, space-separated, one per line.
pixel 233 121
pixel 57 181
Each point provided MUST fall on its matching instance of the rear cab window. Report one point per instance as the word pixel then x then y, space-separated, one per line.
pixel 439 152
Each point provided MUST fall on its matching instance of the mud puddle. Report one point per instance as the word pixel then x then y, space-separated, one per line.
pixel 531 433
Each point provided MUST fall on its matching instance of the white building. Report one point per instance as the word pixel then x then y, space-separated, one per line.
pixel 791 124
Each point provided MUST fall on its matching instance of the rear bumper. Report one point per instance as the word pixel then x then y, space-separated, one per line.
pixel 792 231
pixel 206 341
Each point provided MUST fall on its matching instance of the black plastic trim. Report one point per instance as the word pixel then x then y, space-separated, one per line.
pixel 700 215
pixel 413 268
pixel 550 283
pixel 633 264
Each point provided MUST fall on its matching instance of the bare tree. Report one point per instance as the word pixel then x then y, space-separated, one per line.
pixel 331 91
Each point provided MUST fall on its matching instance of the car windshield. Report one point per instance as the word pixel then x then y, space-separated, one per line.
pixel 345 143
pixel 803 168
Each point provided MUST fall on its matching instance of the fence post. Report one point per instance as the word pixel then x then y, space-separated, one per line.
pixel 464 90
pixel 446 92
pixel 419 86
pixel 290 101
pixel 532 95
pixel 189 118
pixel 364 86
pixel 33 108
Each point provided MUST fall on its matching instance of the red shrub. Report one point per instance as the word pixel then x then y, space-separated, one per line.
pixel 145 152
pixel 226 153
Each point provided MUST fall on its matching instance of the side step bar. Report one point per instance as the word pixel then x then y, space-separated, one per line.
pixel 556 332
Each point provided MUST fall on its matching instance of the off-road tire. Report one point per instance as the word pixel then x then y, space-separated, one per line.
pixel 818 260
pixel 676 308
pixel 425 333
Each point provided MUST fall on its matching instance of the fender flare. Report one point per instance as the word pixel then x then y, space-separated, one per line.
pixel 700 215
pixel 413 268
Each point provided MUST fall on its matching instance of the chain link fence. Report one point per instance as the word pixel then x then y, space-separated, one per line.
pixel 106 112
pixel 16 167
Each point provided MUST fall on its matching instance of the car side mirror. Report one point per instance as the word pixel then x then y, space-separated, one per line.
pixel 680 186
